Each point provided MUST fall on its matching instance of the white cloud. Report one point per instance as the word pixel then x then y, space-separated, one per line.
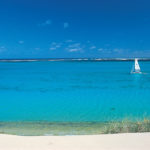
pixel 140 53
pixel 76 47
pixel 100 49
pixel 46 23
pixel 105 50
pixel 75 50
pixel 52 48
pixel 66 25
pixel 2 49
pixel 69 41
pixel 58 46
pixel 92 47
pixel 55 45
pixel 117 50
pixel 21 42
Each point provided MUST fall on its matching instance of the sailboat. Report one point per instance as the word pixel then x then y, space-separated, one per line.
pixel 136 67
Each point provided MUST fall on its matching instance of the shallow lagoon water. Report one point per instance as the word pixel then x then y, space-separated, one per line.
pixel 71 92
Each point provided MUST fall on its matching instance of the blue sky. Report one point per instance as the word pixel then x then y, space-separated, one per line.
pixel 74 28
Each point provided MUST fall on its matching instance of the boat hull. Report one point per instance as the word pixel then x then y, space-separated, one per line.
pixel 136 72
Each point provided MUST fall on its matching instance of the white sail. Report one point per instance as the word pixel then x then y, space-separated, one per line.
pixel 136 66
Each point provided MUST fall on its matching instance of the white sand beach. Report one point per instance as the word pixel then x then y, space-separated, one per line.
pixel 127 141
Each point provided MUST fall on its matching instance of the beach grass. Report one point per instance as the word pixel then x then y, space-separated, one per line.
pixel 127 126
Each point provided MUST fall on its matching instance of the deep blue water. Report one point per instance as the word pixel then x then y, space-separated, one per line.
pixel 73 91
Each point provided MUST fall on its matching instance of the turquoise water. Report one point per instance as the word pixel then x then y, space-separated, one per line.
pixel 73 91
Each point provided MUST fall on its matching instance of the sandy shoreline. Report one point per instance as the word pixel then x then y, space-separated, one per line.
pixel 127 141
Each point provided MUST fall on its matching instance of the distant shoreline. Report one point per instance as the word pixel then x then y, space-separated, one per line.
pixel 73 59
